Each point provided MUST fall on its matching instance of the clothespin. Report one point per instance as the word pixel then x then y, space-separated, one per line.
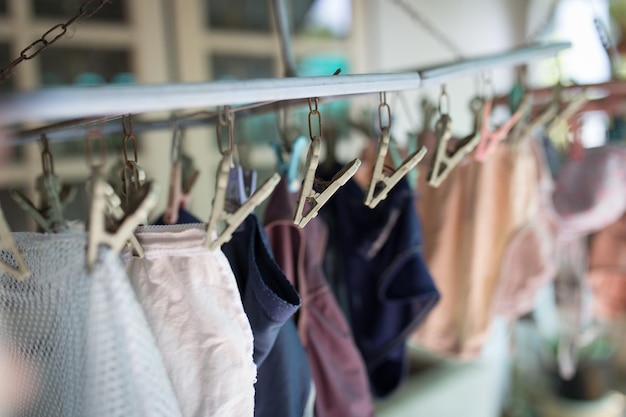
pixel 106 213
pixel 290 168
pixel 489 139
pixel 54 196
pixel 307 193
pixel 443 163
pixel 559 128
pixel 7 244
pixel 140 204
pixel 380 181
pixel 219 210
pixel 523 130
pixel 241 185
pixel 181 182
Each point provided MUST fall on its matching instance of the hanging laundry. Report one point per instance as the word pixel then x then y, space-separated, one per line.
pixel 283 385
pixel 191 300
pixel 590 192
pixel 375 266
pixel 342 387
pixel 184 217
pixel 76 343
pixel 530 260
pixel 470 220
pixel 607 270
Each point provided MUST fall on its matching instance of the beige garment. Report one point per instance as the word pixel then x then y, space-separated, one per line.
pixel 531 258
pixel 468 222
pixel 190 298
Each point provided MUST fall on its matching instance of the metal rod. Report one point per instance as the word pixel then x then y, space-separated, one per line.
pixel 84 102
pixel 440 73
pixel 281 19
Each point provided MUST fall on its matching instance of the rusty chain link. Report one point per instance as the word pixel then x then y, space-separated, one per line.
pixel 86 10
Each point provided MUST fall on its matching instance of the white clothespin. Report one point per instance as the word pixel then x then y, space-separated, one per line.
pixel 307 193
pixel 378 176
pixel 443 163
pixel 8 244
pixel 218 211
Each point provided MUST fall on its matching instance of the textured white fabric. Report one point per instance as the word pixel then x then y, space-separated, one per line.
pixel 74 344
pixel 190 297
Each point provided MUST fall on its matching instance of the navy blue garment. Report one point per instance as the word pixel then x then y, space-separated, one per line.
pixel 184 217
pixel 376 267
pixel 269 300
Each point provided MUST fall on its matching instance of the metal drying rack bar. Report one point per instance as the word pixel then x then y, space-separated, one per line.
pixel 109 101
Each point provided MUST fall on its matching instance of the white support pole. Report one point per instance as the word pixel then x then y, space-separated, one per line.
pixel 82 102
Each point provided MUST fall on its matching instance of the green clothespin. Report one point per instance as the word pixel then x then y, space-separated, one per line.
pixel 54 196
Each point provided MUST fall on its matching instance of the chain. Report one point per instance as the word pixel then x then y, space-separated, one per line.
pixel 225 118
pixel 314 114
pixel 86 10
pixel 429 27
pixel 129 136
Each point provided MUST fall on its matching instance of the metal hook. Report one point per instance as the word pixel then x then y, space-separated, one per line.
pixel 46 157
pixel 127 124
pixel 225 117
pixel 127 127
pixel 95 134
pixel 177 143
pixel 314 112
pixel 384 106
pixel 444 96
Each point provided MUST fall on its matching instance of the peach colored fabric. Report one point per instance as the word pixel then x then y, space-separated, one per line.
pixel 468 223
pixel 607 270
pixel 530 260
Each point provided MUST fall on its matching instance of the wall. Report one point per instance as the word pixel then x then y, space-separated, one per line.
pixel 395 42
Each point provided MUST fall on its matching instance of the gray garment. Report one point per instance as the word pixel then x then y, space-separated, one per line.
pixel 76 344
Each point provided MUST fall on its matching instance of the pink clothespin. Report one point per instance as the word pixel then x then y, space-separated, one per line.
pixel 178 193
pixel 489 139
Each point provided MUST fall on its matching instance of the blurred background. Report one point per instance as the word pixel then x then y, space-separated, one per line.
pixel 171 41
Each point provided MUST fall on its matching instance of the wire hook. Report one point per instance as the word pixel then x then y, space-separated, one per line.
pixel 225 118
pixel 46 156
pixel 444 98
pixel 127 127
pixel 314 112
pixel 381 108
pixel 95 134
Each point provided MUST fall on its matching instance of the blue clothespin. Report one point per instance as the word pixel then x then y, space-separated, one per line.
pixel 299 148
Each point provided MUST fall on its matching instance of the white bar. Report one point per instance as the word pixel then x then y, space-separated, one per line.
pixel 82 102
pixel 441 73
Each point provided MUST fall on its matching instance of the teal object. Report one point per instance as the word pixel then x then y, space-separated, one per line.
pixel 88 79
pixel 299 146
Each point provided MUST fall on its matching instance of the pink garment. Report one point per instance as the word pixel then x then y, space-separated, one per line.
pixel 338 370
pixel 530 260
pixel 607 270
pixel 590 193
pixel 190 298
pixel 468 223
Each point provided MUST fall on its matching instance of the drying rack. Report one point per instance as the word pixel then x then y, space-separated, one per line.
pixel 97 103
